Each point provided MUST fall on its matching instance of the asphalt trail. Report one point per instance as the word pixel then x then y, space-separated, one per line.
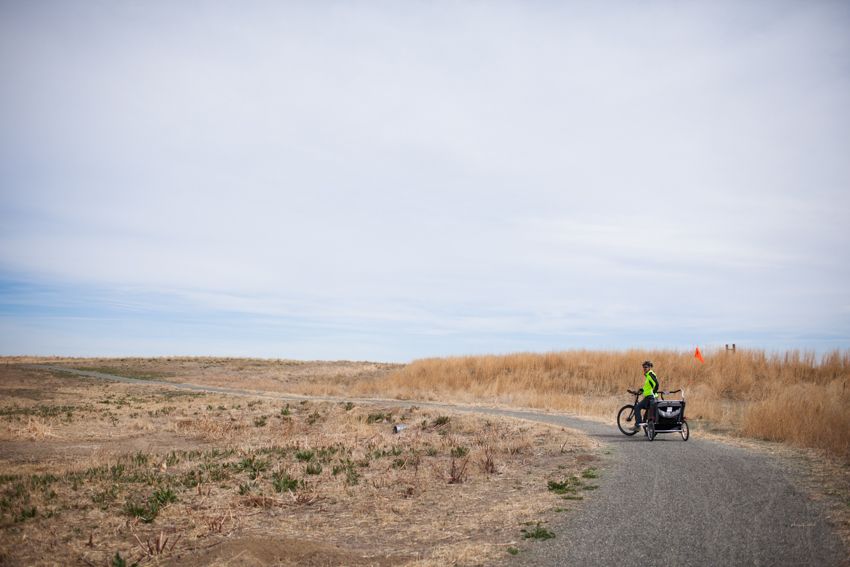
pixel 666 502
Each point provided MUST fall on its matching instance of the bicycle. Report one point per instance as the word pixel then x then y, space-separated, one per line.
pixel 663 416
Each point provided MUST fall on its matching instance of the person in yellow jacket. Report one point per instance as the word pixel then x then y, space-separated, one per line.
pixel 650 391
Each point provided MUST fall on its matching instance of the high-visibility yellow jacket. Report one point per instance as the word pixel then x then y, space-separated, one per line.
pixel 650 385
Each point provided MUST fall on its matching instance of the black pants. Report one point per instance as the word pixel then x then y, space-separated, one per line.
pixel 643 404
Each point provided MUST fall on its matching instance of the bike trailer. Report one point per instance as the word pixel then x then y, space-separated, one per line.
pixel 669 414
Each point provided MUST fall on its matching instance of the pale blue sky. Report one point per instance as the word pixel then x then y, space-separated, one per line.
pixel 394 180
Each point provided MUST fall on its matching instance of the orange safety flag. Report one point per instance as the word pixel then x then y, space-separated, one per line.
pixel 698 355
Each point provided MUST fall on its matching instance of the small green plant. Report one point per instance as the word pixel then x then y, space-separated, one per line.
pixel 567 486
pixel 103 498
pixel 326 453
pixel 352 477
pixel 313 417
pixel 164 496
pixel 349 406
pixel 119 561
pixel 539 532
pixel 304 455
pixel 26 513
pixel 282 482
pixel 393 451
pixel 191 479
pixel 116 471
pixel 253 466
pixel 42 480
pixel 513 550
pixel 314 468
pixel 441 420
pixel 260 421
pixel 146 512
pixel 590 473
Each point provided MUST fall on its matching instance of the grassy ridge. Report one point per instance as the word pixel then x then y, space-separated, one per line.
pixel 794 397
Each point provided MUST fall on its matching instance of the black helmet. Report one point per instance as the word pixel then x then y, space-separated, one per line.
pixel 647 364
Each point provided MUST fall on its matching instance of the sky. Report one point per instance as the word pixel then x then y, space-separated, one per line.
pixel 398 180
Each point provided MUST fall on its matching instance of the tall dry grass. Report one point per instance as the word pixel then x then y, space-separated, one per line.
pixel 795 397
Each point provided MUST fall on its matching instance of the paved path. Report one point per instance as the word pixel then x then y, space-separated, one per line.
pixel 667 502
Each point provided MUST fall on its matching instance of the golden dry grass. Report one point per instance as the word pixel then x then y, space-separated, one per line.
pixel 794 397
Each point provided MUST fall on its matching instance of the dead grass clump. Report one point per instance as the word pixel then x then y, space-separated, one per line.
pixel 460 554
pixel 488 461
pixel 457 470
pixel 35 429
pixel 211 428
pixel 803 416
pixel 159 546
pixel 216 522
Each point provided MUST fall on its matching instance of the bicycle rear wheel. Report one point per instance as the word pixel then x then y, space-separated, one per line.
pixel 625 417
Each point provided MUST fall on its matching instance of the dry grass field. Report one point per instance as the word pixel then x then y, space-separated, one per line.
pixel 109 474
pixel 793 397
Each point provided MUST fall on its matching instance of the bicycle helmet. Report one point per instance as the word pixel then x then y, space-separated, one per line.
pixel 647 364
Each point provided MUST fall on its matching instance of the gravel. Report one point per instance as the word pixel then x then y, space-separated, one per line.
pixel 671 502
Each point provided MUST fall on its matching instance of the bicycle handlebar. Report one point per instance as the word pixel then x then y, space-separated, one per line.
pixel 665 392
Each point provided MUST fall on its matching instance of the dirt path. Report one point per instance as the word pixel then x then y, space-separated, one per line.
pixel 666 502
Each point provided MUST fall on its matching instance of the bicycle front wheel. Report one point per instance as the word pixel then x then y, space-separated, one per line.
pixel 625 419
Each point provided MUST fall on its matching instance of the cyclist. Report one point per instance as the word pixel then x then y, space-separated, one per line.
pixel 650 391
